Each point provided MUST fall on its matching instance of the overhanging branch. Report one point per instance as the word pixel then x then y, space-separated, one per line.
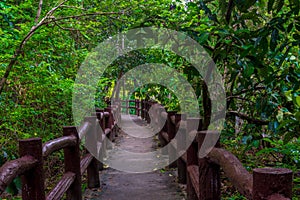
pixel 49 18
pixel 247 118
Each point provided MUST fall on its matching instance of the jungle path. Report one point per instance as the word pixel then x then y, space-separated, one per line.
pixel 120 185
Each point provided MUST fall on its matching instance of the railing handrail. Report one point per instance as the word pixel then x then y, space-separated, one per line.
pixel 11 169
pixel 190 167
pixel 58 144
pixel 218 157
pixel 33 152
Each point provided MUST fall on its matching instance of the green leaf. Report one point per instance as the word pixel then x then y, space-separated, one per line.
pixel 288 95
pixel 298 100
pixel 297 115
pixel 248 70
pixel 18 183
pixel 255 143
pixel 279 116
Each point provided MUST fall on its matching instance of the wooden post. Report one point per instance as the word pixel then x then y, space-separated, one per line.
pixel 102 121
pixel 101 138
pixel 171 135
pixel 145 110
pixel 117 119
pixel 272 181
pixel 181 147
pixel 142 109
pixel 192 154
pixel 72 164
pixel 137 107
pixel 164 125
pixel 119 111
pixel 157 119
pixel 108 119
pixel 191 157
pixel 33 180
pixel 171 126
pixel 127 105
pixel 109 123
pixel 148 119
pixel 209 172
pixel 92 139
pixel 158 112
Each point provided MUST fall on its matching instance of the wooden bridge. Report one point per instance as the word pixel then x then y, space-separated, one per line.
pixel 201 175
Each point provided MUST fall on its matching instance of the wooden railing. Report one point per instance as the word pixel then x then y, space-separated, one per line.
pixel 202 175
pixel 32 154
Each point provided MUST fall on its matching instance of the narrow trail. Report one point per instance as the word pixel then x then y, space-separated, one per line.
pixel 120 185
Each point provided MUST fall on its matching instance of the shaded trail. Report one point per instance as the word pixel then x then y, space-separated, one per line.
pixel 119 185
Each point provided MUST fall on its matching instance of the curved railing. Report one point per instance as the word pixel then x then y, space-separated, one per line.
pixel 202 175
pixel 32 154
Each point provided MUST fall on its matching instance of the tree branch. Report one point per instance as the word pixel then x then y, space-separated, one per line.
pixel 53 19
pixel 73 7
pixel 19 49
pixel 229 11
pixel 38 14
pixel 49 18
pixel 65 28
pixel 247 118
pixel 255 88
pixel 237 97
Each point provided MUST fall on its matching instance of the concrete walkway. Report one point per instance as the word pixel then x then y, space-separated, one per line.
pixel 119 185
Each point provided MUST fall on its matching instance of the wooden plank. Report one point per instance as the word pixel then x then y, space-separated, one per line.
pixel 165 136
pixel 193 174
pixel 72 164
pixel 234 170
pixel 209 179
pixel 33 179
pixel 83 129
pixel 269 181
pixel 85 161
pixel 62 186
pixel 172 119
pixel 10 170
pixel 181 170
pixel 183 156
pixel 57 144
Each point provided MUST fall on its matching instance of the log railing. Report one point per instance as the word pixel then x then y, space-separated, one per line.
pixel 202 175
pixel 32 154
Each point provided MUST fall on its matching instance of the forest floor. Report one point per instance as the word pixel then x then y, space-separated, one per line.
pixel 119 185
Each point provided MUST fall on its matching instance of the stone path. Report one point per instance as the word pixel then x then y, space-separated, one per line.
pixel 120 185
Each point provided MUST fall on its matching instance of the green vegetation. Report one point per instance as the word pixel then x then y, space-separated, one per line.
pixel 255 45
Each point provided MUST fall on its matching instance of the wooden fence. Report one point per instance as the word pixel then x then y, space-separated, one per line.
pixel 32 154
pixel 202 175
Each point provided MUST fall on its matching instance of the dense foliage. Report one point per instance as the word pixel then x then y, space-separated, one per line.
pixel 255 45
